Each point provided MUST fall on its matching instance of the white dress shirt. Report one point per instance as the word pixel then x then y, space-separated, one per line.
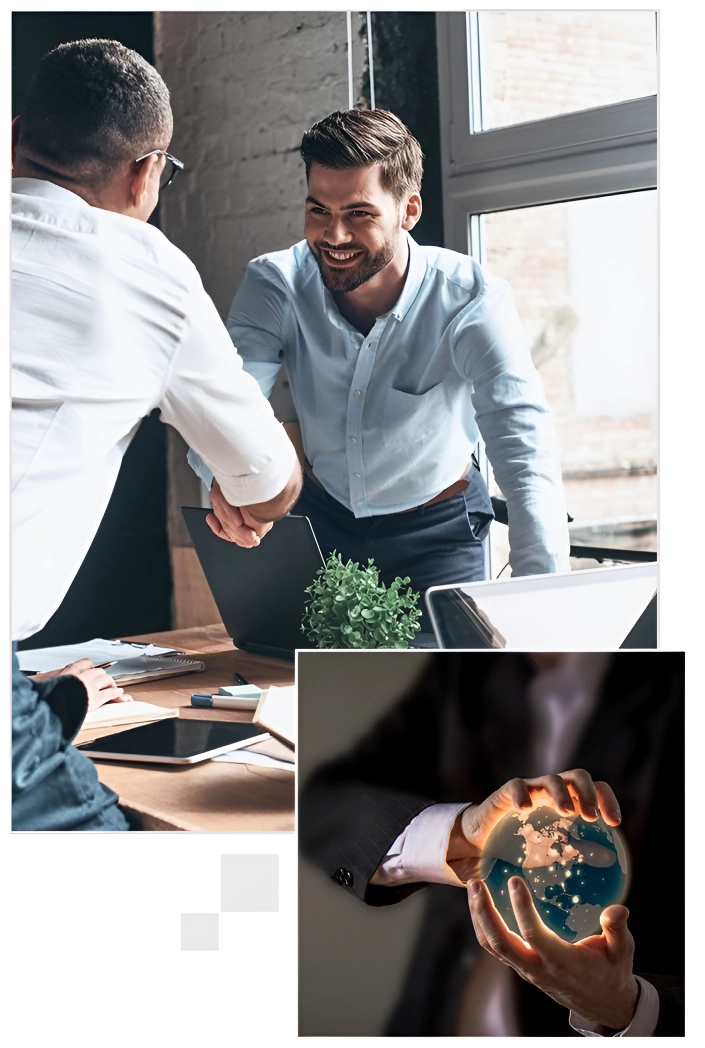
pixel 561 702
pixel 109 321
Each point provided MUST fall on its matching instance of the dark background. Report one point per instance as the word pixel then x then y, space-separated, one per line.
pixel 124 585
pixel 405 68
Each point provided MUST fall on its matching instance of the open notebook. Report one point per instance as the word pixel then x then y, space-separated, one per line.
pixel 118 713
pixel 125 662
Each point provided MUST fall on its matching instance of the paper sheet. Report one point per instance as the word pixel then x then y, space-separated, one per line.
pixel 98 650
pixel 270 753
pixel 251 757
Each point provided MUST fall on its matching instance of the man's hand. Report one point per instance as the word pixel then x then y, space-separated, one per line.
pixel 99 685
pixel 593 977
pixel 234 523
pixel 568 792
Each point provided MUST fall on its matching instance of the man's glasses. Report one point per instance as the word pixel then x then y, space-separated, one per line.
pixel 171 167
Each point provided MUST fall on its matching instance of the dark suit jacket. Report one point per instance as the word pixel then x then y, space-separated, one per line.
pixel 461 733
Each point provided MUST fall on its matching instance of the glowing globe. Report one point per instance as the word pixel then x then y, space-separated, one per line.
pixel 574 868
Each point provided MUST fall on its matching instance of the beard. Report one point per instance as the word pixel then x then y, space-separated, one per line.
pixel 350 279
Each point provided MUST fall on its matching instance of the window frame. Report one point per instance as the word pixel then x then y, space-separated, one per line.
pixel 593 152
pixel 600 151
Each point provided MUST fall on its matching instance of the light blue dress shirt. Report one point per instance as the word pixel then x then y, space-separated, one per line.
pixel 390 419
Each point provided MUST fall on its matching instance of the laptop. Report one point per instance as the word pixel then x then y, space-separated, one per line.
pixel 599 609
pixel 260 592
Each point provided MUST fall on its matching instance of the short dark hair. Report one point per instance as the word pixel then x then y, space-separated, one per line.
pixel 361 137
pixel 91 105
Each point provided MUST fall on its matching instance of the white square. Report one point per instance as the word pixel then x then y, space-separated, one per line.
pixel 199 933
pixel 249 883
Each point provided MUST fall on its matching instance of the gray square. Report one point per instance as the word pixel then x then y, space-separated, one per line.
pixel 249 883
pixel 199 931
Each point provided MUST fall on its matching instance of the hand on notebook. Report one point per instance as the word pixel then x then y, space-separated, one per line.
pixel 568 792
pixel 99 685
pixel 234 523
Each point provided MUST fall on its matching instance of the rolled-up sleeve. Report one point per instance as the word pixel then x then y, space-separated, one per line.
pixel 220 411
pixel 256 323
pixel 514 420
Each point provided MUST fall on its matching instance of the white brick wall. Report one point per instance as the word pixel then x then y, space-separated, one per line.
pixel 244 88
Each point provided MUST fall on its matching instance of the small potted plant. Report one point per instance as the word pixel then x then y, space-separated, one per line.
pixel 348 607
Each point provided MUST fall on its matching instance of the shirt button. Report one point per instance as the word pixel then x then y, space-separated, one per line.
pixel 358 393
pixel 353 440
pixel 357 345
pixel 357 474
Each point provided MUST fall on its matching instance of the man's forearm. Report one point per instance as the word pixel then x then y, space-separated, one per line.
pixel 279 506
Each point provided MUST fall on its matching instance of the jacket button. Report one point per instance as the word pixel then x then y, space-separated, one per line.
pixel 342 876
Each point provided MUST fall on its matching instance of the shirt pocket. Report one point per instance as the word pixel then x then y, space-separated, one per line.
pixel 410 418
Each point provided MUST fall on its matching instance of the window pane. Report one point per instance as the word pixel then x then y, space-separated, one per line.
pixel 584 277
pixel 536 64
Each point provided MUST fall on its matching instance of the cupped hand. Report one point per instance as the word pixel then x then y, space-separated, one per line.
pixel 570 792
pixel 99 685
pixel 234 523
pixel 592 977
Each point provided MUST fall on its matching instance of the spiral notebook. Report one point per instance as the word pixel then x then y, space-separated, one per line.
pixel 151 667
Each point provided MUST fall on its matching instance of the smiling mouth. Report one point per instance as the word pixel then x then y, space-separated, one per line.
pixel 339 258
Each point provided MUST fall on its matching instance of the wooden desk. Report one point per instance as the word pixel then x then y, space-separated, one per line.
pixel 212 795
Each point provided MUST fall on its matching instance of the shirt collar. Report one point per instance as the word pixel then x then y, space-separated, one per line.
pixel 414 279
pixel 40 187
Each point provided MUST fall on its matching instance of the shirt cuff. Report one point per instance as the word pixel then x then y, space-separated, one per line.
pixel 250 488
pixel 419 852
pixel 642 1025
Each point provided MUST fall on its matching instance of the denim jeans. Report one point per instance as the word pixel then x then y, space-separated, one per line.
pixel 54 786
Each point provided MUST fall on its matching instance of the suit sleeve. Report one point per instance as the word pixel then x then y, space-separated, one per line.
pixel 353 809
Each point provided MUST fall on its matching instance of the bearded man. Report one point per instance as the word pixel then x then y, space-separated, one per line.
pixel 399 357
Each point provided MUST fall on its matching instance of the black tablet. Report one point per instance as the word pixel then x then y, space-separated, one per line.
pixel 175 741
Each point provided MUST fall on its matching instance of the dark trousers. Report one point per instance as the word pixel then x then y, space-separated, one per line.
pixel 433 545
pixel 54 786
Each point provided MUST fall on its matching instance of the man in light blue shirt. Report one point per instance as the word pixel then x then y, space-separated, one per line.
pixel 399 357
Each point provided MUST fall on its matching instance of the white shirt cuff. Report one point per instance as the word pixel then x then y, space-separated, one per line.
pixel 642 1025
pixel 419 852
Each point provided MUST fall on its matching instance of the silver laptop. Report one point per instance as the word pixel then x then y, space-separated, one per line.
pixel 598 609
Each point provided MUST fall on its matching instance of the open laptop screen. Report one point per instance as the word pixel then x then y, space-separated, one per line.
pixel 260 592
pixel 592 610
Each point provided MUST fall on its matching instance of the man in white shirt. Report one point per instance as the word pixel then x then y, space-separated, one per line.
pixel 109 322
